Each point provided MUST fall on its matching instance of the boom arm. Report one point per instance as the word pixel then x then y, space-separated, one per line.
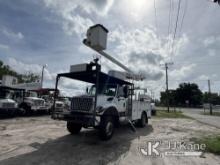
pixel 130 74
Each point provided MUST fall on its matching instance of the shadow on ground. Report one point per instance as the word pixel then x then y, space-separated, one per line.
pixel 85 148
pixel 17 115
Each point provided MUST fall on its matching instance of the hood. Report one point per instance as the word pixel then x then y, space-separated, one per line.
pixel 59 102
pixel 34 98
pixel 83 96
pixel 7 101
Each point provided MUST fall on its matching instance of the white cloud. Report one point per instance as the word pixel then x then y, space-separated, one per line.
pixel 76 25
pixel 211 52
pixel 73 22
pixel 100 7
pixel 143 51
pixel 24 68
pixel 203 77
pixel 211 40
pixel 67 86
pixel 4 47
pixel 11 34
pixel 182 72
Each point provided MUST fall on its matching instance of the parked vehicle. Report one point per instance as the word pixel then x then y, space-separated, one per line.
pixel 9 98
pixel 47 94
pixel 33 104
pixel 108 103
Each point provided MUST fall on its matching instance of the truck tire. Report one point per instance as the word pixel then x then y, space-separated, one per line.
pixel 143 121
pixel 73 128
pixel 26 110
pixel 106 127
pixel 12 113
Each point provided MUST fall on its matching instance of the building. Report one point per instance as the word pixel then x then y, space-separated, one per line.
pixel 8 80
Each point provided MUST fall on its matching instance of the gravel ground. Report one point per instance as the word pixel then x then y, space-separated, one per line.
pixel 40 140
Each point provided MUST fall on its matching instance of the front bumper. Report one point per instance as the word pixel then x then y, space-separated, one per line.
pixel 85 119
pixel 42 108
pixel 6 111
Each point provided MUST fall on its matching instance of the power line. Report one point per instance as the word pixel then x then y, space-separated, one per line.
pixel 177 19
pixel 184 14
pixel 155 17
pixel 176 25
pixel 170 26
pixel 169 17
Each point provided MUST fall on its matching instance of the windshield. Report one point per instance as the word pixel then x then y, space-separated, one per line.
pixel 105 90
pixel 5 94
pixel 2 95
pixel 32 94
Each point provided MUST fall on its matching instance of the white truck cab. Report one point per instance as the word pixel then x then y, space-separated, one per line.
pixel 33 104
pixel 108 103
pixel 8 106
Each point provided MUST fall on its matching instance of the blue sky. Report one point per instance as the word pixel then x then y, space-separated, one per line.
pixel 33 33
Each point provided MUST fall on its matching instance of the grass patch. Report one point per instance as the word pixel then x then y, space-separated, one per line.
pixel 212 144
pixel 171 114
pixel 213 113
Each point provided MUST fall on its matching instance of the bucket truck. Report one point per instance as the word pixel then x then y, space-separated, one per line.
pixel 110 101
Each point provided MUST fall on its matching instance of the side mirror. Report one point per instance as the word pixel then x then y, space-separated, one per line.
pixel 87 90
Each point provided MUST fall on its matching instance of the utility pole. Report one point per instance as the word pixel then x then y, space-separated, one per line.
pixel 167 85
pixel 42 75
pixel 210 105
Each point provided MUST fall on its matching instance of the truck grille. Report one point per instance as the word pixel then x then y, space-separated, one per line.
pixel 38 102
pixel 8 105
pixel 81 104
pixel 59 105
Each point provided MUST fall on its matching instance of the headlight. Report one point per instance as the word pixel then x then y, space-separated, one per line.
pixel 30 103
pixel 16 105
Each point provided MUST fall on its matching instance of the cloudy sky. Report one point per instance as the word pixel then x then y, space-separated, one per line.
pixel 34 33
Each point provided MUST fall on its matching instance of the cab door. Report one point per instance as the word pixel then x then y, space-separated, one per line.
pixel 121 100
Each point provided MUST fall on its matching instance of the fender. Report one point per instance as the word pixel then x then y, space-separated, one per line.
pixel 110 111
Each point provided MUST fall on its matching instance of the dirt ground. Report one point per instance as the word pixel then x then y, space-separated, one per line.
pixel 40 140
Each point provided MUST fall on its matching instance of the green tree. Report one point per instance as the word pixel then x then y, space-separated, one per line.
pixel 213 98
pixel 22 78
pixel 188 94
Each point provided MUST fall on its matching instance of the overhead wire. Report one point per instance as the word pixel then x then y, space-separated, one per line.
pixel 155 18
pixel 184 14
pixel 170 6
pixel 176 26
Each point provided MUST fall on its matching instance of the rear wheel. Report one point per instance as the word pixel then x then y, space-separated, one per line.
pixel 143 121
pixel 12 113
pixel 25 109
pixel 73 128
pixel 106 127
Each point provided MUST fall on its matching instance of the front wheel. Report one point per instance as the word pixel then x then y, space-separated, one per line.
pixel 106 127
pixel 73 128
